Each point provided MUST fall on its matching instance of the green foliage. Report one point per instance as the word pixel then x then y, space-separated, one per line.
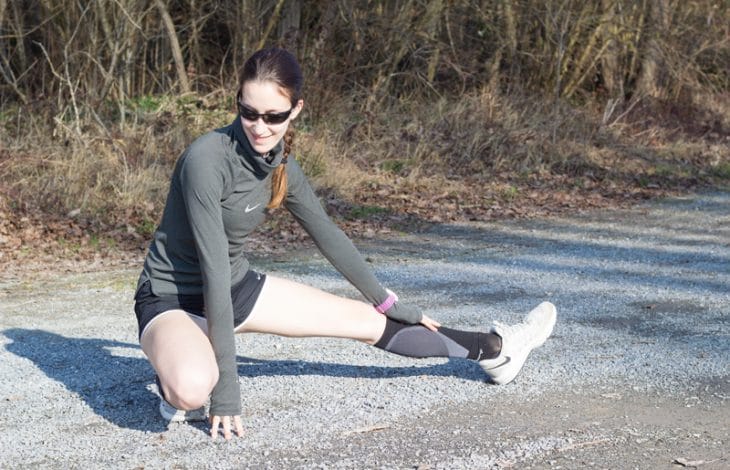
pixel 8 113
pixel 94 241
pixel 145 103
pixel 510 192
pixel 364 212
pixel 643 181
pixel 393 166
pixel 146 227
pixel 722 170
pixel 71 246
pixel 314 165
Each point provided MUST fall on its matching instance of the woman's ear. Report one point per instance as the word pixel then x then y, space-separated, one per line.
pixel 297 109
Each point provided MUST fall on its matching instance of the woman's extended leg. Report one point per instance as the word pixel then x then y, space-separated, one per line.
pixel 289 308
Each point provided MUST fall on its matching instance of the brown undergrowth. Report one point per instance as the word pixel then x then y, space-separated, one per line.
pixel 88 198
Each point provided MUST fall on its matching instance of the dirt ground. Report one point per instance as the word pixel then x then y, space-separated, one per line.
pixel 636 375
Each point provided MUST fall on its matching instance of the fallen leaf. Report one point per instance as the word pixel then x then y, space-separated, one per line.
pixel 376 427
pixel 689 463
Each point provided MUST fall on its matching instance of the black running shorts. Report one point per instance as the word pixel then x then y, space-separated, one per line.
pixel 244 294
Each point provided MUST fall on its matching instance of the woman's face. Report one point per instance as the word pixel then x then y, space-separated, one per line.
pixel 265 97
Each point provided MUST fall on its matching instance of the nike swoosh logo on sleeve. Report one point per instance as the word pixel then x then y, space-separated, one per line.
pixel 249 209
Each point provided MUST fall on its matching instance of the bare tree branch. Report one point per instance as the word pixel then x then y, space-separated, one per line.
pixel 270 25
pixel 177 56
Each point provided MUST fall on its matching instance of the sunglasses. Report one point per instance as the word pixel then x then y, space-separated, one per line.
pixel 269 118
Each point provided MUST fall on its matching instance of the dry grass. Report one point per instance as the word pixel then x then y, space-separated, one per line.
pixel 487 136
pixel 97 194
pixel 416 110
pixel 119 176
pixel 103 173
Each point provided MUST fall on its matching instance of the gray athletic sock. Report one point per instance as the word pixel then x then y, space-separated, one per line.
pixel 419 341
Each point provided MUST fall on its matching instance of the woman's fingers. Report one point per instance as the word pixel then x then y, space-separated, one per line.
pixel 239 425
pixel 227 427
pixel 216 421
pixel 430 323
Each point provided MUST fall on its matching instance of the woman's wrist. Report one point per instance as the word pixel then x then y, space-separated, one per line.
pixel 387 303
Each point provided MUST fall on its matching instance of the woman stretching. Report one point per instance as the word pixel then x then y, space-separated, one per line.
pixel 196 289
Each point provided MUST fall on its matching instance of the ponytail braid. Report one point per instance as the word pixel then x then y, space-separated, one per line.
pixel 278 178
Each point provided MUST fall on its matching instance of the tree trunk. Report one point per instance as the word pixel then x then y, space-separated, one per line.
pixel 270 25
pixel 651 81
pixel 177 56
pixel 3 5
pixel 610 68
pixel 289 25
pixel 434 13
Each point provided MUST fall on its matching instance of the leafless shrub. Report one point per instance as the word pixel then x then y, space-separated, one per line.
pixel 105 94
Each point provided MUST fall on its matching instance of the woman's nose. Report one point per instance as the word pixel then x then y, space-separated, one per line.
pixel 259 123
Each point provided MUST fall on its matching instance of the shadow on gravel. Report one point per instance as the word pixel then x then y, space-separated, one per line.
pixel 591 258
pixel 115 387
pixel 633 250
pixel 648 260
pixel 460 368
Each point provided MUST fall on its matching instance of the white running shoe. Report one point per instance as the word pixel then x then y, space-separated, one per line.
pixel 173 415
pixel 517 342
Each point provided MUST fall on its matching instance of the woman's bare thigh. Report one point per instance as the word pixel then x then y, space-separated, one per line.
pixel 178 349
pixel 289 308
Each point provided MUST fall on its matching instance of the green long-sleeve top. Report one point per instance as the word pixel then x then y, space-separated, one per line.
pixel 218 194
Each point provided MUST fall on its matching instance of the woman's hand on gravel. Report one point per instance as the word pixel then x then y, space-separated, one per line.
pixel 430 323
pixel 215 421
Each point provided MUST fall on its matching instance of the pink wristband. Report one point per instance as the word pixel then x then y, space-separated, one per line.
pixel 387 303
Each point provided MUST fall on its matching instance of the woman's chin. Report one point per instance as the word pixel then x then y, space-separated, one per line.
pixel 262 148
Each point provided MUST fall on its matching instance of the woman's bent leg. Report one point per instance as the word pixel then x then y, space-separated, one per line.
pixel 181 354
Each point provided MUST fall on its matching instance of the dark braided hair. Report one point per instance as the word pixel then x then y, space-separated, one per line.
pixel 281 67
pixel 278 178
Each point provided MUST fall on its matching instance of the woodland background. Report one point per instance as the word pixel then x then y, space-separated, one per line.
pixel 416 111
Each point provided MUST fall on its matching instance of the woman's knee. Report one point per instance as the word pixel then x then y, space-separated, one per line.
pixel 189 389
pixel 181 354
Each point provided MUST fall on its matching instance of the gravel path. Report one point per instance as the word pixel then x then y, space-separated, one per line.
pixel 636 374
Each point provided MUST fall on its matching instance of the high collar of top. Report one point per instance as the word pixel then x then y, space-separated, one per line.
pixel 266 162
